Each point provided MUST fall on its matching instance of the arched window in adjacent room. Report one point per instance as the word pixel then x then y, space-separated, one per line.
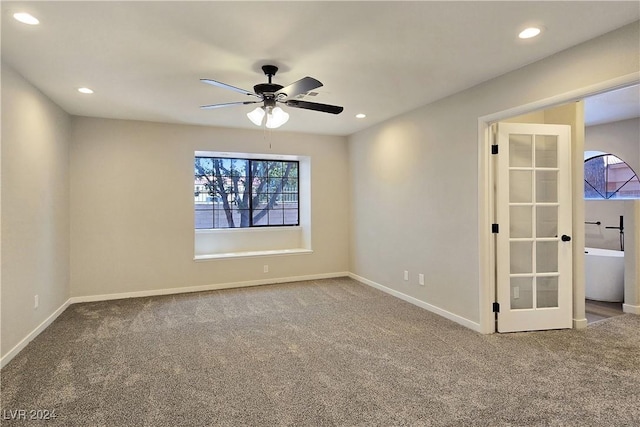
pixel 609 177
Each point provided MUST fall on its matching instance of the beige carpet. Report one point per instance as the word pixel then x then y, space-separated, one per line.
pixel 318 353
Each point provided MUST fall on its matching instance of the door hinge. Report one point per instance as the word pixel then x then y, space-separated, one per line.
pixel 494 149
pixel 495 228
pixel 496 307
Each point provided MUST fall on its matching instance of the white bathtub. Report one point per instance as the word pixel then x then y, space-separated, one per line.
pixel 604 274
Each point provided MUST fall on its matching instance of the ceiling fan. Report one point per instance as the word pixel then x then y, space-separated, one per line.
pixel 269 94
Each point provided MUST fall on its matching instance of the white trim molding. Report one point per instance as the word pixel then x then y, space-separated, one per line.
pixel 633 309
pixel 580 323
pixel 106 297
pixel 26 340
pixel 252 254
pixel 432 308
pixel 211 287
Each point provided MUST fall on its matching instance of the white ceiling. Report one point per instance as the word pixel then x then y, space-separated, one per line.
pixel 621 104
pixel 144 59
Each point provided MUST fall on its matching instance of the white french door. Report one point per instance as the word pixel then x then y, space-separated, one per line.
pixel 533 212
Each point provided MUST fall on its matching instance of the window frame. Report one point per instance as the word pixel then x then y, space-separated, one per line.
pixel 250 178
pixel 612 196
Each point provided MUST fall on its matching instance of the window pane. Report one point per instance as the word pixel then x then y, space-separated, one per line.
pixel 291 216
pixel 259 168
pixel 521 292
pixel 520 186
pixel 609 177
pixel 546 221
pixel 520 150
pixel 203 217
pixel 619 176
pixel 275 170
pixel 275 184
pixel 547 291
pixel 520 219
pixel 521 257
pixel 290 185
pixel 546 257
pixel 546 151
pixel 260 217
pixel 220 218
pixel 221 186
pixel 276 217
pixel 546 186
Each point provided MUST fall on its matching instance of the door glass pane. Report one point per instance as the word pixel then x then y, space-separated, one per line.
pixel 546 151
pixel 520 219
pixel 546 186
pixel 547 291
pixel 520 151
pixel 520 187
pixel 521 292
pixel 521 260
pixel 546 257
pixel 546 221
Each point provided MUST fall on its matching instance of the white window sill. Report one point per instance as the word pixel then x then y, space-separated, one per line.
pixel 251 254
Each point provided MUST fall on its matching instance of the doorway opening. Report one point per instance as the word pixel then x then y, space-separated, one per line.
pixel 612 157
pixel 487 204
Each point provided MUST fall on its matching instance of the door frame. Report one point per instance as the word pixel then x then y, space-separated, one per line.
pixel 486 200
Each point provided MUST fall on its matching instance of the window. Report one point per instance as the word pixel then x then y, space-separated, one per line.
pixel 241 193
pixel 608 177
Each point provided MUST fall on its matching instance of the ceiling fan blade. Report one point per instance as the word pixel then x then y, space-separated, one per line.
pixel 228 104
pixel 325 108
pixel 226 86
pixel 303 85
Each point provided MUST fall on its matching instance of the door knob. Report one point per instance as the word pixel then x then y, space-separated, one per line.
pixel 566 238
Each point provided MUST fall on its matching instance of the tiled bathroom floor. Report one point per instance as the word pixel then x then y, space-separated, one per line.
pixel 599 310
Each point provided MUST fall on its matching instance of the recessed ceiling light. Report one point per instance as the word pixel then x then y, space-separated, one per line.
pixel 361 116
pixel 85 90
pixel 26 18
pixel 530 32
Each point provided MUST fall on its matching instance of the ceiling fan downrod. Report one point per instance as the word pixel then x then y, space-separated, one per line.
pixel 269 71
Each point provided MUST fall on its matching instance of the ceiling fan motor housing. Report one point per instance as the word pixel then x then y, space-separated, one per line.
pixel 267 89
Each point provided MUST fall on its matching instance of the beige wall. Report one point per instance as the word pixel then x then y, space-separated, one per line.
pixel 35 208
pixel 132 226
pixel 414 178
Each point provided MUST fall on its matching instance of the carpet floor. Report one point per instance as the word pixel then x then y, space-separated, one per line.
pixel 318 353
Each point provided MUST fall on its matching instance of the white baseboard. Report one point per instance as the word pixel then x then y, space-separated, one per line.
pixel 580 323
pixel 633 309
pixel 432 308
pixel 26 340
pixel 213 287
pixel 105 297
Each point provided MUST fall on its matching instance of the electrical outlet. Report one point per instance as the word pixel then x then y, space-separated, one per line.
pixel 36 301
pixel 421 279
pixel 406 275
pixel 265 268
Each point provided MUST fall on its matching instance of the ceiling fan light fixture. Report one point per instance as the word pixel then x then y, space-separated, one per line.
pixel 256 116
pixel 276 118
